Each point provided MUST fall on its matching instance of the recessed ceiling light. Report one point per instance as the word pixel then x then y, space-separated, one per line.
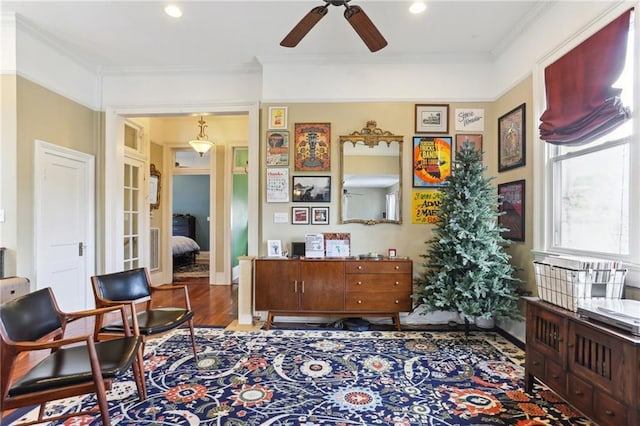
pixel 417 7
pixel 173 11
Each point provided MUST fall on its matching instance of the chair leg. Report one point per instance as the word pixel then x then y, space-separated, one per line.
pixel 193 341
pixel 138 374
pixel 101 396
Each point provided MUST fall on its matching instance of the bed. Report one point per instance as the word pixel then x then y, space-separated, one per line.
pixel 183 241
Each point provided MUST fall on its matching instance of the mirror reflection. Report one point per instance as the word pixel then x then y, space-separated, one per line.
pixel 371 166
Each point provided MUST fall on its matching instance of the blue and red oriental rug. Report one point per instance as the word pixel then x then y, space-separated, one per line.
pixel 309 378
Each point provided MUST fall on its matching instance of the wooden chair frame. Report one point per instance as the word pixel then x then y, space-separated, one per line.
pixel 54 341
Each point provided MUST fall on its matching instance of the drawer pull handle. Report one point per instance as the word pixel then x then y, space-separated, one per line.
pixel 397 283
pixel 608 413
pixel 579 393
pixel 536 362
pixel 396 267
pixel 555 376
pixel 359 268
pixel 359 283
pixel 359 302
pixel 570 345
pixel 397 302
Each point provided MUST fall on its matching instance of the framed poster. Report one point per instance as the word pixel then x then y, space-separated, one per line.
pixel 277 118
pixel 300 215
pixel 311 188
pixel 432 118
pixel 277 148
pixel 312 147
pixel 425 206
pixel 474 140
pixel 319 215
pixel 512 209
pixel 431 160
pixel 512 139
pixel 278 185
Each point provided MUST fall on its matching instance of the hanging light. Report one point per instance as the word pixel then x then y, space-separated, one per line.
pixel 201 144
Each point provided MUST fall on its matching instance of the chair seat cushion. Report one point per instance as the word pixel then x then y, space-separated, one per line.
pixel 71 365
pixel 154 321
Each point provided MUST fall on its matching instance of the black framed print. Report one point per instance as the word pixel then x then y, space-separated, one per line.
pixel 512 139
pixel 300 215
pixel 311 189
pixel 511 218
pixel 319 215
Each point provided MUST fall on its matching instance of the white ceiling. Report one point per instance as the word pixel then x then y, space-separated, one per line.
pixel 118 36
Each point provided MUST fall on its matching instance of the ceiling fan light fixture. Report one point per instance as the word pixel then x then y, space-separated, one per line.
pixel 201 144
pixel 354 14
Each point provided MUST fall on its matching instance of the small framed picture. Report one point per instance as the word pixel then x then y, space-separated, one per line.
pixel 311 188
pixel 277 148
pixel 511 209
pixel 512 139
pixel 392 252
pixel 274 248
pixel 463 139
pixel 300 215
pixel 319 215
pixel 432 118
pixel 277 118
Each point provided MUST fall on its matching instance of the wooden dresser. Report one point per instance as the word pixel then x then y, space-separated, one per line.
pixel 596 368
pixel 330 287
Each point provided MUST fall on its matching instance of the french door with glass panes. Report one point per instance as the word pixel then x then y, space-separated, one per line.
pixel 133 196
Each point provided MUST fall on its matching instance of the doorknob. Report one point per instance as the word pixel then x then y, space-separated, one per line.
pixel 80 249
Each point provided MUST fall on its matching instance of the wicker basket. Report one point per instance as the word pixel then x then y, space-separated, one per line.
pixel 564 286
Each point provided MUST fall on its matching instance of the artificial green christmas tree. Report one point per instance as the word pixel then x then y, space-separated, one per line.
pixel 466 268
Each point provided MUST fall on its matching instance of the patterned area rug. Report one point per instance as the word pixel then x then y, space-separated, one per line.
pixel 195 270
pixel 295 377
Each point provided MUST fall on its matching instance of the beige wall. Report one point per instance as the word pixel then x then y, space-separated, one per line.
pixel 43 115
pixel 520 251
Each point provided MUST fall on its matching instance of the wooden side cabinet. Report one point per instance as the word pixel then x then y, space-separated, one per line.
pixel 333 287
pixel 596 368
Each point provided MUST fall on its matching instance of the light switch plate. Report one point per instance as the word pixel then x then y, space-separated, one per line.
pixel 1 215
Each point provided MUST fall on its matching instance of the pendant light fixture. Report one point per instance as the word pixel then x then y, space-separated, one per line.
pixel 201 144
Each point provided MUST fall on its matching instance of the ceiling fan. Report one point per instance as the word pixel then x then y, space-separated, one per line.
pixel 354 14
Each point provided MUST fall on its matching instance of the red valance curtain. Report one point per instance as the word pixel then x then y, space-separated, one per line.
pixel 581 104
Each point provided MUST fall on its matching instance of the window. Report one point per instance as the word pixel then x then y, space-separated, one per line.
pixel 589 186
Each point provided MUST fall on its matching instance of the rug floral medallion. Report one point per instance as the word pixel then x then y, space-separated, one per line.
pixel 308 378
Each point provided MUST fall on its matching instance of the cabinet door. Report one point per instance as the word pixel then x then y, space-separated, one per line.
pixel 547 332
pixel 598 359
pixel 276 286
pixel 322 285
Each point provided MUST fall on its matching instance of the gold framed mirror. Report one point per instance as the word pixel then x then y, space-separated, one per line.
pixel 371 176
pixel 154 187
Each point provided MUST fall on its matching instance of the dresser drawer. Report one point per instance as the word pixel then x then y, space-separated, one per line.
pixel 378 282
pixel 378 267
pixel 377 301
pixel 535 363
pixel 607 411
pixel 554 376
pixel 580 393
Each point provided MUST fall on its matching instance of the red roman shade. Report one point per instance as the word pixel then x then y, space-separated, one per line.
pixel 581 104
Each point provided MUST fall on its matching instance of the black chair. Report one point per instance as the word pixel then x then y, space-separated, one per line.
pixel 74 366
pixel 133 288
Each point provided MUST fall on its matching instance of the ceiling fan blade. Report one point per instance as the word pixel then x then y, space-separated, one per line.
pixel 304 26
pixel 365 28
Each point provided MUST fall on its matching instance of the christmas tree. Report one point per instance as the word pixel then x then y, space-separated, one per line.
pixel 466 267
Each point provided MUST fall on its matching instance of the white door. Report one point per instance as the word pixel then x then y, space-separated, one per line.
pixel 64 191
